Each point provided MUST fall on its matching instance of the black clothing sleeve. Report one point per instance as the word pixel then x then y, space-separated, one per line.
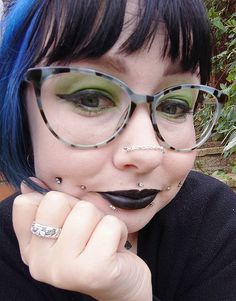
pixel 189 246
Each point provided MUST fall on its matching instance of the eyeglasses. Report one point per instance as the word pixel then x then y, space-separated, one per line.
pixel 84 108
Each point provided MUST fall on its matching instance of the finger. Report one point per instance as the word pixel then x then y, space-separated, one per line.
pixel 52 211
pixel 78 228
pixel 108 238
pixel 23 214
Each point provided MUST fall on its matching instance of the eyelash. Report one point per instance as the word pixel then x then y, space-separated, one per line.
pixel 76 98
pixel 178 104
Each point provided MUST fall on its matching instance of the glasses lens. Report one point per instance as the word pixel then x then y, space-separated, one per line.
pixel 185 117
pixel 82 108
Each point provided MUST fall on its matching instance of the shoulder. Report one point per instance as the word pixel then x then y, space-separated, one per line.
pixel 202 191
pixel 6 226
pixel 8 241
pixel 200 226
pixel 204 206
pixel 200 185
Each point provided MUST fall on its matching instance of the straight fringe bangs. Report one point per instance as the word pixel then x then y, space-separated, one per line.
pixel 49 31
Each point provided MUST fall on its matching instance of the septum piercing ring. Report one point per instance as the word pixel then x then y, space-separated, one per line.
pixel 144 147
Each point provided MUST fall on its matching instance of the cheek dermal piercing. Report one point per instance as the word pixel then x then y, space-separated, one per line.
pixel 58 180
pixel 144 147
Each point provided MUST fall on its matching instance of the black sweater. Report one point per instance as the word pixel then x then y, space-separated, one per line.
pixel 190 247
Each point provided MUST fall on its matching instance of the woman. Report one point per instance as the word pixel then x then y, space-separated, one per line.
pixel 100 120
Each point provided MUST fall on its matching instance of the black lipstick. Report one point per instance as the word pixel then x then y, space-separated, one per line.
pixel 130 199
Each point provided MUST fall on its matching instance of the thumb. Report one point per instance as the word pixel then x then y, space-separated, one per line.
pixel 33 184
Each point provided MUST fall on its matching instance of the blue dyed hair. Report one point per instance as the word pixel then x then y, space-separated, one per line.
pixel 32 31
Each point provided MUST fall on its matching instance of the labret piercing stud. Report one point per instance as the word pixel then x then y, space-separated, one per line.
pixel 112 207
pixel 58 180
pixel 140 184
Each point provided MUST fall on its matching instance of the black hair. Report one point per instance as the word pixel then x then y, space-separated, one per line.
pixel 88 29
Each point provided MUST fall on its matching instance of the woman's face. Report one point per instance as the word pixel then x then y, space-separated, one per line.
pixel 111 168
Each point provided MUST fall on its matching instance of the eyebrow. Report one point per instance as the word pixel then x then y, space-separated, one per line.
pixel 116 63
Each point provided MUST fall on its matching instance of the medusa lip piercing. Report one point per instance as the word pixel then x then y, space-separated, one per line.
pixel 83 187
pixel 144 147
pixel 58 180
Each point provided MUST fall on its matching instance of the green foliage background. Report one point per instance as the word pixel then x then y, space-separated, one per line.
pixel 222 14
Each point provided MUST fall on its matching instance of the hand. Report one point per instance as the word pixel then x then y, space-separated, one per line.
pixel 89 255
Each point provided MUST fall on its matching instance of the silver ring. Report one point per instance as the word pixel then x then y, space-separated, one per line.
pixel 45 231
pixel 144 147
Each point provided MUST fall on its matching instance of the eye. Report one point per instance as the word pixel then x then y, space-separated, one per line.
pixel 173 109
pixel 89 100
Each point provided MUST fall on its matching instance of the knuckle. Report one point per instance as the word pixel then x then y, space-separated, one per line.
pixel 54 196
pixel 57 275
pixel 23 203
pixel 60 199
pixel 18 199
pixel 22 200
pixel 87 208
pixel 114 221
pixel 35 270
pixel 53 274
pixel 85 205
pixel 56 199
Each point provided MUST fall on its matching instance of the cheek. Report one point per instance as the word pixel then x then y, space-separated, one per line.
pixel 178 165
pixel 52 158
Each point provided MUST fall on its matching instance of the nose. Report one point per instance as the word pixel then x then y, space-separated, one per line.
pixel 137 148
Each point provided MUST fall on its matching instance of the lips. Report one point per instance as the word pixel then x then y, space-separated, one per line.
pixel 130 199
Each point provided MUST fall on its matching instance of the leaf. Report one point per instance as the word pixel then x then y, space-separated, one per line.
pixel 218 24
